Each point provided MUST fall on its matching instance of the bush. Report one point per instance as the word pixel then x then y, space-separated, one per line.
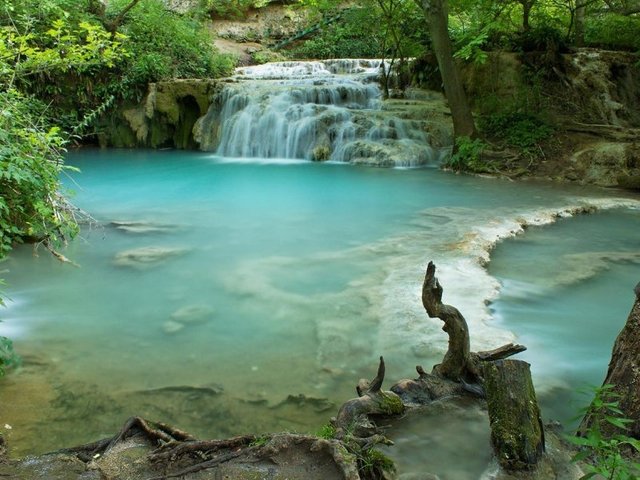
pixel 517 128
pixel 30 163
pixel 606 454
pixel 613 31
pixel 467 156
pixel 8 357
pixel 164 45
pixel 540 38
pixel 352 36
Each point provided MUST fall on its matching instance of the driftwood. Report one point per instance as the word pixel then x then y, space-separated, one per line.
pixel 624 375
pixel 457 363
pixel 353 422
pixel 459 372
pixel 517 434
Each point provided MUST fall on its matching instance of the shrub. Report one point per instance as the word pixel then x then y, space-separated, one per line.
pixel 540 38
pixel 165 45
pixel 606 454
pixel 517 128
pixel 8 358
pixel 613 31
pixel 467 156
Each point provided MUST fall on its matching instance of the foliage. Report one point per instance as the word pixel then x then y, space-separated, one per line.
pixel 544 37
pixel 399 33
pixel 30 163
pixel 613 31
pixel 260 440
pixel 31 148
pixel 373 463
pixel 350 37
pixel 606 452
pixel 8 357
pixel 164 45
pixel 467 155
pixel 517 128
pixel 265 56
pixel 470 48
pixel 326 431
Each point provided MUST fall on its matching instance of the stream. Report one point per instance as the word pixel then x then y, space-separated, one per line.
pixel 247 290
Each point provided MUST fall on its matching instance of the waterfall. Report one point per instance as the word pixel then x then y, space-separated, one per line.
pixel 315 110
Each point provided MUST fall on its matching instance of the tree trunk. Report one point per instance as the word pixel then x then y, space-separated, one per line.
pixel 526 12
pixel 624 374
pixel 516 428
pixel 437 17
pixel 579 24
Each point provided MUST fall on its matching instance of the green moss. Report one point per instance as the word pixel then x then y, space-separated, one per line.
pixel 321 153
pixel 391 404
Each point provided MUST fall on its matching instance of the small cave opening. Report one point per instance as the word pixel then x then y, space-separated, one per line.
pixel 189 114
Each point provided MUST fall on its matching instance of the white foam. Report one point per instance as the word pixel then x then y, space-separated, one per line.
pixel 259 161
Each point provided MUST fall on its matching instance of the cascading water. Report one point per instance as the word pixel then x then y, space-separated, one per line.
pixel 328 110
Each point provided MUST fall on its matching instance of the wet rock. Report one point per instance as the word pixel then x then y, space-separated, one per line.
pixel 145 257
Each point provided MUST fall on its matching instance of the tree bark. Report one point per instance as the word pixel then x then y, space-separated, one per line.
pixel 526 13
pixel 624 374
pixel 117 21
pixel 579 24
pixel 437 13
pixel 517 435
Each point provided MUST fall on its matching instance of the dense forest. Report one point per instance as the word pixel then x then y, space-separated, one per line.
pixel 68 68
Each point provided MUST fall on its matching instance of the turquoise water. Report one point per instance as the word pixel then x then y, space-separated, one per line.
pixel 295 277
pixel 567 290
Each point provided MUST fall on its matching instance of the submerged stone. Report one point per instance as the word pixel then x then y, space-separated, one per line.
pixel 193 314
pixel 145 257
pixel 140 226
pixel 171 327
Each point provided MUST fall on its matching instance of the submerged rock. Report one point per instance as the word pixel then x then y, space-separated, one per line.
pixel 145 257
pixel 192 314
pixel 141 226
pixel 171 327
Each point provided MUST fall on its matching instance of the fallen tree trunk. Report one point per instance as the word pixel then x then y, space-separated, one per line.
pixel 517 435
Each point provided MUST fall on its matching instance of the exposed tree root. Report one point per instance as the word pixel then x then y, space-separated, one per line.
pixel 353 420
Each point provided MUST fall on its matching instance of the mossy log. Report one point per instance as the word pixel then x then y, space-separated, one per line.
pixel 517 434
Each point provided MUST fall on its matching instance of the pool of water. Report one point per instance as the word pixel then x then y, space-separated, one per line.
pixel 237 295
